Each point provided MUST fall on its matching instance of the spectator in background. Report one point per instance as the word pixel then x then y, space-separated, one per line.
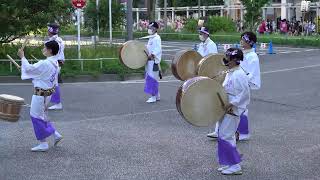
pixel 283 26
pixel 274 26
pixel 262 27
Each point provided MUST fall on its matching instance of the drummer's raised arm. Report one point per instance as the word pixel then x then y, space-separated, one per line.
pixel 28 70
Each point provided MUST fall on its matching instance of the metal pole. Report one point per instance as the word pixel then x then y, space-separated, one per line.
pixel 172 14
pixel 98 27
pixel 79 52
pixel 129 20
pixel 155 10
pixel 199 11
pixel 110 22
pixel 165 13
pixel 187 12
pixel 78 24
pixel 10 66
pixel 137 18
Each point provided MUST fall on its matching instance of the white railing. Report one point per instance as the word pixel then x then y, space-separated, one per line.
pixel 80 60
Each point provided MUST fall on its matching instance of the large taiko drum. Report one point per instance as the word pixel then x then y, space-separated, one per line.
pixel 211 66
pixel 10 107
pixel 184 64
pixel 133 54
pixel 200 101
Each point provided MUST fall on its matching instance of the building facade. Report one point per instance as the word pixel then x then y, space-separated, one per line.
pixel 277 9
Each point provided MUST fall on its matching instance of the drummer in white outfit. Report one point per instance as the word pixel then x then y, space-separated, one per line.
pixel 44 78
pixel 251 65
pixel 238 91
pixel 152 69
pixel 53 30
pixel 207 46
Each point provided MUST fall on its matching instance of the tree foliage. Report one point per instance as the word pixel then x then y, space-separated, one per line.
pixel 20 17
pixel 214 24
pixel 253 12
pixel 91 15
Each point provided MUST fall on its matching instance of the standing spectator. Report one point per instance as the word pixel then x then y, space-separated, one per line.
pixel 268 27
pixel 283 26
pixel 274 26
pixel 238 25
pixel 262 27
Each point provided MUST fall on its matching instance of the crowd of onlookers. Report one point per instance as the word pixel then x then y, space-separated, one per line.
pixel 177 25
pixel 293 28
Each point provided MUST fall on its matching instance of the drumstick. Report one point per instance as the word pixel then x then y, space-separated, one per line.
pixel 146 52
pixel 223 104
pixel 14 62
pixel 25 43
pixel 34 58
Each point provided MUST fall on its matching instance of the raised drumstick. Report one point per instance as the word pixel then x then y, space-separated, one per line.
pixel 14 62
pixel 34 58
pixel 25 43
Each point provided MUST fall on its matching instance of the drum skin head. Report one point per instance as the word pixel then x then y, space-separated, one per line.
pixel 11 98
pixel 10 107
pixel 184 64
pixel 198 103
pixel 132 54
pixel 211 66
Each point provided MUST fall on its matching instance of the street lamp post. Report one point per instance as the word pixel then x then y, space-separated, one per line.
pixel 165 14
pixel 110 22
pixel 199 11
pixel 129 20
pixel 97 7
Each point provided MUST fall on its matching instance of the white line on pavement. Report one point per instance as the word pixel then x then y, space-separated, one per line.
pixel 161 81
pixel 291 69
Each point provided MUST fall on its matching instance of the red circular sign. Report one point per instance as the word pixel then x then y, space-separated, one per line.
pixel 78 3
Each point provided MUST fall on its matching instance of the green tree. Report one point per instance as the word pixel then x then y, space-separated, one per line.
pixel 20 17
pixel 253 12
pixel 91 15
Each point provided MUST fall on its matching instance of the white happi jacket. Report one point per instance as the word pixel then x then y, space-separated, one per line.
pixel 43 73
pixel 207 47
pixel 154 47
pixel 251 65
pixel 60 55
pixel 237 88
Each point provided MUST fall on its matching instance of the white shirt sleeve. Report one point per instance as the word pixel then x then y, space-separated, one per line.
pixel 31 71
pixel 254 73
pixel 60 55
pixel 200 49
pixel 155 49
pixel 212 48
pixel 241 90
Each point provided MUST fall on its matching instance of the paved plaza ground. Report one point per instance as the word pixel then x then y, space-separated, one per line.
pixel 111 133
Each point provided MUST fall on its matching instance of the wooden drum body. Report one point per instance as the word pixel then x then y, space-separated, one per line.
pixel 133 54
pixel 10 107
pixel 198 101
pixel 211 66
pixel 184 64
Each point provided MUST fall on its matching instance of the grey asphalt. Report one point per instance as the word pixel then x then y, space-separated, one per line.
pixel 111 133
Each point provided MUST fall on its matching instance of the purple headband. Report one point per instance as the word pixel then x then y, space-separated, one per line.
pixel 232 53
pixel 53 30
pixel 247 39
